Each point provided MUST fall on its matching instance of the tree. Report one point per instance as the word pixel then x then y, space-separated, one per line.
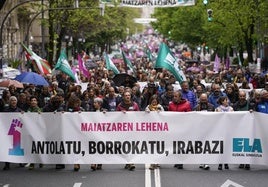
pixel 183 24
pixel 239 23
pixel 96 29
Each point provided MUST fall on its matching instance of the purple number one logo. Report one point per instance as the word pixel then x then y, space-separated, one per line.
pixel 14 131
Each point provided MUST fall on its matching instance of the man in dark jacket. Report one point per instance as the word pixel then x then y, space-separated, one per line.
pixel 128 105
pixel 204 106
pixel 243 105
pixel 55 105
pixel 111 100
pixel 167 97
pixel 12 107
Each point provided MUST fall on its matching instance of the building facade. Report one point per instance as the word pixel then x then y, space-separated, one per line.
pixel 22 24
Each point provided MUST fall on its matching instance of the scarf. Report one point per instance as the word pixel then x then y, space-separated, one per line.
pixel 153 107
pixel 224 108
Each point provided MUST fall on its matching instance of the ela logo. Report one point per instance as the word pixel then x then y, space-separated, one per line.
pixel 244 145
pixel 14 131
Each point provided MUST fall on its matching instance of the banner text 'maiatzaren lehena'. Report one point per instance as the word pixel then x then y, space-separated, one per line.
pixel 157 3
pixel 134 137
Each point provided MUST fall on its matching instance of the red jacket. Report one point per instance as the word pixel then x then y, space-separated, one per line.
pixel 183 106
pixel 124 107
pixel 254 83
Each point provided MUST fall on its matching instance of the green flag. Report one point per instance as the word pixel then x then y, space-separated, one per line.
pixel 64 66
pixel 127 62
pixel 165 59
pixel 110 65
pixel 149 54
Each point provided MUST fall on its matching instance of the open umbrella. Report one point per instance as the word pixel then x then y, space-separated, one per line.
pixel 8 82
pixel 32 78
pixel 124 79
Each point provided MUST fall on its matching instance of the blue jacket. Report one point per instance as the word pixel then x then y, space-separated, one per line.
pixel 213 99
pixel 262 107
pixel 190 96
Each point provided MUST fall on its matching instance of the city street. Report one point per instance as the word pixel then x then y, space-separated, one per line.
pixel 116 175
pixel 150 83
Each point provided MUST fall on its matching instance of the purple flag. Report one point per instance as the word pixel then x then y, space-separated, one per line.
pixel 82 67
pixel 217 62
pixel 227 62
pixel 74 70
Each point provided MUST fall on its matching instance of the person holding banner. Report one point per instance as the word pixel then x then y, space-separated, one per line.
pixel 74 105
pixel 243 105
pixel 179 104
pixel 98 102
pixel 150 91
pixel 262 106
pixel 128 105
pixel 111 100
pixel 167 97
pixel 34 108
pixel 154 106
pixel 55 105
pixel 215 95
pixel 12 108
pixel 231 93
pixel 224 107
pixel 204 106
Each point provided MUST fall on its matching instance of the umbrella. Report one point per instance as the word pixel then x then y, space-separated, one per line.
pixel 32 78
pixel 124 79
pixel 8 82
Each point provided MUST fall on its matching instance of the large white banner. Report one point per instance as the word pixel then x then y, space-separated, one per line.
pixel 157 3
pixel 134 137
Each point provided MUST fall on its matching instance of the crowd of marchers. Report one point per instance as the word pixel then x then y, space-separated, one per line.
pixel 232 89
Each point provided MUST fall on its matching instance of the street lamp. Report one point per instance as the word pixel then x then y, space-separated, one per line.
pixel 80 42
pixel 68 44
pixel 210 12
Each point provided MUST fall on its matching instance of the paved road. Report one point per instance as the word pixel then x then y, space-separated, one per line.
pixel 116 176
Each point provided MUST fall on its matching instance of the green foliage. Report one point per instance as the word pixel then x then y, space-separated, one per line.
pixel 14 63
pixel 235 61
pixel 24 14
pixel 183 23
pixel 235 23
pixel 88 23
pixel 245 63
